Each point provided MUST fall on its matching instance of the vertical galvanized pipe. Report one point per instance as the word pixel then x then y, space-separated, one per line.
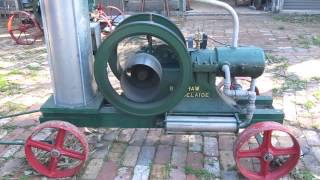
pixel 182 7
pixel 68 39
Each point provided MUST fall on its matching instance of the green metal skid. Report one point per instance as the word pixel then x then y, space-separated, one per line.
pixel 101 114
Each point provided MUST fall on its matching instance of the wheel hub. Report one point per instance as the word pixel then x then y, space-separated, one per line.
pixel 55 153
pixel 268 157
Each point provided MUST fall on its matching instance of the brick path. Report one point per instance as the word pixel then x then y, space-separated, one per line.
pixel 292 77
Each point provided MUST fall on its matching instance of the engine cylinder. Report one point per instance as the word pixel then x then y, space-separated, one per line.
pixel 141 77
pixel 243 61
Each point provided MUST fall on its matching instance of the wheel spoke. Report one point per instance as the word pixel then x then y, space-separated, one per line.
pixel 284 151
pixel 40 145
pixel 53 163
pixel 72 154
pixel 249 153
pixel 264 167
pixel 19 35
pixel 115 17
pixel 60 138
pixel 26 37
pixel 266 143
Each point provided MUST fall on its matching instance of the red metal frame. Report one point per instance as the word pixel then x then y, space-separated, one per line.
pixel 264 150
pixel 52 170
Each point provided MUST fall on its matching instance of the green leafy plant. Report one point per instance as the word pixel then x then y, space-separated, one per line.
pixel 168 168
pixel 299 174
pixel 11 107
pixel 200 173
pixel 317 95
pixel 7 87
pixel 309 105
pixel 316 40
pixel 297 19
pixel 304 41
pixel 15 72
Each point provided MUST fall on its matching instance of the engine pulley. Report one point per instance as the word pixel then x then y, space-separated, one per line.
pixel 143 17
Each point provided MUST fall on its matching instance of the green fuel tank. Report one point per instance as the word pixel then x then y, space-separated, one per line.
pixel 243 61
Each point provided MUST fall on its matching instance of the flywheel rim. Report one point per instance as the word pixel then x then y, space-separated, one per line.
pixel 106 51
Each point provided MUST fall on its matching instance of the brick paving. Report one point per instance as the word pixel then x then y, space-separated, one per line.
pixel 150 153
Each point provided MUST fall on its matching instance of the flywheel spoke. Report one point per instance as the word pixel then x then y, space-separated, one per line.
pixel 285 151
pixel 264 167
pixel 249 153
pixel 53 163
pixel 40 145
pixel 266 143
pixel 60 138
pixel 72 154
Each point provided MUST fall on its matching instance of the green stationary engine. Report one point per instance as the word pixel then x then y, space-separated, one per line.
pixel 147 77
pixel 161 76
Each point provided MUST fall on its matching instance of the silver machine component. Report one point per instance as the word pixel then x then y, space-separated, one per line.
pixel 67 33
pixel 250 94
pixel 95 35
pixel 141 77
pixel 175 123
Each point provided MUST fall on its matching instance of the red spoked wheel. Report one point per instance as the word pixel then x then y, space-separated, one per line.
pixel 59 155
pixel 266 152
pixel 23 28
pixel 241 82
pixel 109 18
pixel 114 14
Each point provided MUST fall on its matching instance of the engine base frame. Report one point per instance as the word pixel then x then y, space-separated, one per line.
pixel 100 113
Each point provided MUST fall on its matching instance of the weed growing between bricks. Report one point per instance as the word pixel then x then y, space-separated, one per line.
pixel 288 81
pixel 299 174
pixel 11 108
pixel 202 174
pixel 302 19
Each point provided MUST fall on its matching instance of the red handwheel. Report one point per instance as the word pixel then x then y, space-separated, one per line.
pixel 60 155
pixel 266 153
pixel 23 28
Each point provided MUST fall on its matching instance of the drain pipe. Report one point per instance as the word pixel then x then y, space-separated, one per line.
pixel 251 94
